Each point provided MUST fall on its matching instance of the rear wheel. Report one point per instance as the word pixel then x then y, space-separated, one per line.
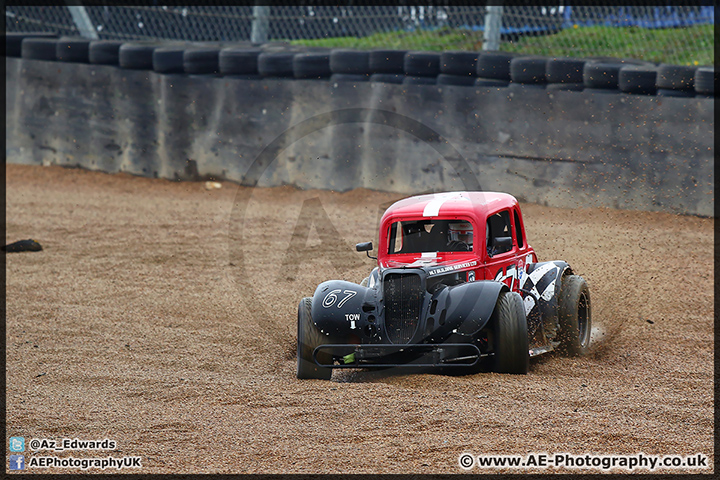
pixel 309 337
pixel 574 316
pixel 511 337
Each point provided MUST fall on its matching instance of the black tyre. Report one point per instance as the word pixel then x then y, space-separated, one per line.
pixel 601 75
pixel 528 69
pixel 311 65
pixel 28 245
pixel 575 319
pixel 239 61
pixel 495 65
pixel 387 77
pixel 422 64
pixel 564 70
pixel 73 50
pixel 13 41
pixel 510 335
pixel 309 337
pixel 351 62
pixel 463 80
pixel 38 48
pixel 104 52
pixel 168 59
pixel 137 56
pixel 387 61
pixel 201 60
pixel 638 79
pixel 676 77
pixel 275 64
pixel 705 80
pixel 459 63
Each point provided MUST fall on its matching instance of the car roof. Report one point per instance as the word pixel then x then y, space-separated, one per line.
pixel 476 205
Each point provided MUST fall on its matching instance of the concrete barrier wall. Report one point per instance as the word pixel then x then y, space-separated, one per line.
pixel 567 149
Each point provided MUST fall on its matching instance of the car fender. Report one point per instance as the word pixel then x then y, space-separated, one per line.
pixel 465 308
pixel 540 288
pixel 337 307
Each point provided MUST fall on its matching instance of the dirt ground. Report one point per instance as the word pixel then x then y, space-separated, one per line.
pixel 162 315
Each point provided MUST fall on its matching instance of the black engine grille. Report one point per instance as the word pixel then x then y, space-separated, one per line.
pixel 403 300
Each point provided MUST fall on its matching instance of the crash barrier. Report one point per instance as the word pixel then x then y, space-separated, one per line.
pixel 164 110
pixel 461 68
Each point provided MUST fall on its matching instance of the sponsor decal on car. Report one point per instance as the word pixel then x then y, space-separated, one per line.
pixel 451 268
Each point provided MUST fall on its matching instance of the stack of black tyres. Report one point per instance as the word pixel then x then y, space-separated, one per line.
pixel 387 65
pixel 601 77
pixel 137 55
pixel 276 64
pixel 169 59
pixel 104 52
pixel 487 68
pixel 602 74
pixel 39 48
pixel 493 69
pixel 421 68
pixel 528 72
pixel 311 65
pixel 13 41
pixel 458 68
pixel 201 60
pixel 705 80
pixel 638 79
pixel 349 65
pixel 564 73
pixel 239 62
pixel 676 80
pixel 73 49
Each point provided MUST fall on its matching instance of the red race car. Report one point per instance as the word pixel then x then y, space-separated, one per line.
pixel 457 286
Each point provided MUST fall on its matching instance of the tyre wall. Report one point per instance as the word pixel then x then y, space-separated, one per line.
pixel 557 148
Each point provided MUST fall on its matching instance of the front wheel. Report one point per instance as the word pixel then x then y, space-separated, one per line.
pixel 574 316
pixel 309 337
pixel 510 335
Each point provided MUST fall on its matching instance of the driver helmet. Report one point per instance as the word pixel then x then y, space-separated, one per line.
pixel 461 232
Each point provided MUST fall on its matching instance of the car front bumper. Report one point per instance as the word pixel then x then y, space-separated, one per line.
pixel 407 355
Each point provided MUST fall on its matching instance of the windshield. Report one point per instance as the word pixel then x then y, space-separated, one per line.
pixel 430 235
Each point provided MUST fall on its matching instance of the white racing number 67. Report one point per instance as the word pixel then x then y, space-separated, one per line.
pixel 331 298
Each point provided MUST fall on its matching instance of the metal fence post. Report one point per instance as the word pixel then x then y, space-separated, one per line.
pixel 493 24
pixel 83 22
pixel 260 24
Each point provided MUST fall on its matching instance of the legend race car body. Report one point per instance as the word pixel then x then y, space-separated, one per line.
pixel 457 288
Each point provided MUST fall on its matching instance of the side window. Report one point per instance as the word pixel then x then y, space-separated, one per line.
pixel 518 230
pixel 498 233
pixel 395 238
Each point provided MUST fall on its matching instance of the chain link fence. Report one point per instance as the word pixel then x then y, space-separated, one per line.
pixel 681 33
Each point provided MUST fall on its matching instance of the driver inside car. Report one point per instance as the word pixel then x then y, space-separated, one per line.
pixel 460 237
